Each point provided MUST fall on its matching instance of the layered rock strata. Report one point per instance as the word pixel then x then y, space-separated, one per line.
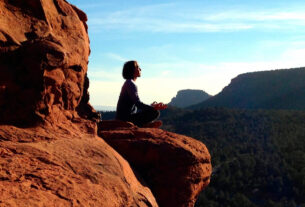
pixel 50 153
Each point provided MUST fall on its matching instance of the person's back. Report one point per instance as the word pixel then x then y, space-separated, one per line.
pixel 129 101
pixel 126 102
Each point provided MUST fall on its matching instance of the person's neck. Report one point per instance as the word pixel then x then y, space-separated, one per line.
pixel 134 79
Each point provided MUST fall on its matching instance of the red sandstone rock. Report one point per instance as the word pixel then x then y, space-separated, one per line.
pixel 57 159
pixel 175 167
pixel 44 49
pixel 42 167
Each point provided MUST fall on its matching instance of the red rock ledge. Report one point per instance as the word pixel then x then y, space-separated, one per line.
pixel 50 153
pixel 175 167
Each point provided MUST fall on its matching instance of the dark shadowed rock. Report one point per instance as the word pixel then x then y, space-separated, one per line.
pixel 56 159
pixel 50 154
pixel 175 167
pixel 44 49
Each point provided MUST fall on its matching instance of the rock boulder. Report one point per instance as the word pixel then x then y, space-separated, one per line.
pixel 50 152
pixel 44 49
pixel 175 167
pixel 44 167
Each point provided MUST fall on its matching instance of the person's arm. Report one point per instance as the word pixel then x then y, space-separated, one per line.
pixel 133 93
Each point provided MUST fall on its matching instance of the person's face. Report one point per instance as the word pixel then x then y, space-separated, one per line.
pixel 137 72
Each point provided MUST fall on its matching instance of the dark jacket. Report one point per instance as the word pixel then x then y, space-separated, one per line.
pixel 129 101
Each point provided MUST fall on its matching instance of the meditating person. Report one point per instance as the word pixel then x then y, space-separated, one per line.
pixel 129 107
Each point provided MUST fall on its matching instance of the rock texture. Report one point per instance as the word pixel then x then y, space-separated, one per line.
pixel 56 158
pixel 43 167
pixel 175 167
pixel 50 152
pixel 44 49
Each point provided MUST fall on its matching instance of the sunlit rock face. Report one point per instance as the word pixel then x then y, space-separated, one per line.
pixel 46 167
pixel 56 157
pixel 50 152
pixel 44 49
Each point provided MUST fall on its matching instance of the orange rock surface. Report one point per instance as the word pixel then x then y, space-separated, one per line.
pixel 44 49
pixel 175 167
pixel 56 158
pixel 52 148
pixel 44 167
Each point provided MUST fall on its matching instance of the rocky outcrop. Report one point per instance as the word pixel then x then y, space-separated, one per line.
pixel 175 167
pixel 42 167
pixel 50 152
pixel 56 158
pixel 44 49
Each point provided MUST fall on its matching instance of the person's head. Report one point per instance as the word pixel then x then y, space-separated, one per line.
pixel 131 70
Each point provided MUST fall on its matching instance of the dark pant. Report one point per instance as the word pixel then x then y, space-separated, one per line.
pixel 145 116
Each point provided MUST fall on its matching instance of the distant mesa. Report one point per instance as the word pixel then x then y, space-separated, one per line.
pixel 53 149
pixel 188 97
pixel 276 89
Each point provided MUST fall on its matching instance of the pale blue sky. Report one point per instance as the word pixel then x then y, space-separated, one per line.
pixel 189 44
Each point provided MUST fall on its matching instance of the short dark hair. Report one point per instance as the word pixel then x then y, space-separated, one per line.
pixel 128 69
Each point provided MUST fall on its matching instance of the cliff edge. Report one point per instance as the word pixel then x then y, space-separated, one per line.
pixel 52 143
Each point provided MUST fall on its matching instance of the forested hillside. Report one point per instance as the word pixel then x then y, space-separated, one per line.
pixel 258 156
pixel 277 89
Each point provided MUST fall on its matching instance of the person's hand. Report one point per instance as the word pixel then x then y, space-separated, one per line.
pixel 159 106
